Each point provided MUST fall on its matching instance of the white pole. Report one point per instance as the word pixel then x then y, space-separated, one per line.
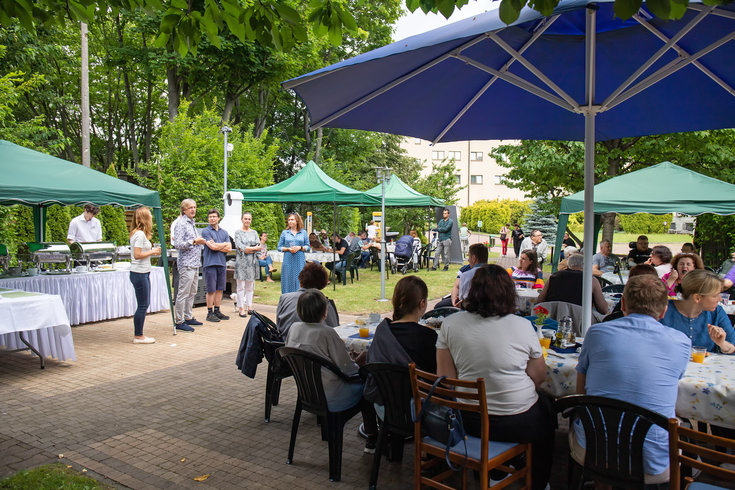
pixel 589 169
pixel 85 98
pixel 225 130
pixel 382 237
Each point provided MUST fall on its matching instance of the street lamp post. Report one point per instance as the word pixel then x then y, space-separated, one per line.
pixel 225 130
pixel 383 174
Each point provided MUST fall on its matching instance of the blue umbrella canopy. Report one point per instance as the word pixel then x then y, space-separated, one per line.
pixel 480 79
pixel 580 74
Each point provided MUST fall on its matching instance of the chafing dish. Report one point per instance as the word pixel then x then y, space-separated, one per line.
pixel 4 257
pixel 94 253
pixel 123 252
pixel 45 253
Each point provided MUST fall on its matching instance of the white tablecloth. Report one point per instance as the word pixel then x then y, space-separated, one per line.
pixel 322 257
pixel 349 333
pixel 94 296
pixel 706 391
pixel 526 300
pixel 41 318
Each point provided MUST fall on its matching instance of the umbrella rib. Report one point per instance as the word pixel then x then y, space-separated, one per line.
pixel 543 26
pixel 668 70
pixel 682 52
pixel 718 12
pixel 657 55
pixel 521 83
pixel 377 92
pixel 530 67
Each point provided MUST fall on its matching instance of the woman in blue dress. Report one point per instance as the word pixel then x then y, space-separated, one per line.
pixel 293 243
pixel 699 316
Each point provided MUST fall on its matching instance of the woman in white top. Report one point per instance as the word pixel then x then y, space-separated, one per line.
pixel 488 341
pixel 140 269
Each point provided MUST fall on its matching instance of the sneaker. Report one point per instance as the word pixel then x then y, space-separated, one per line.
pixel 221 315
pixel 193 321
pixel 144 340
pixel 184 327
pixel 361 431
pixel 446 268
pixel 370 445
pixel 433 269
pixel 211 317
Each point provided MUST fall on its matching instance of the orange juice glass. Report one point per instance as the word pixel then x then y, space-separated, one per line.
pixel 545 342
pixel 698 354
pixel 364 331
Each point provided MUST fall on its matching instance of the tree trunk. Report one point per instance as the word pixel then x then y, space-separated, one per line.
pixel 318 149
pixel 230 99
pixel 148 121
pixel 608 226
pixel 174 98
pixel 613 168
pixel 132 140
pixel 263 111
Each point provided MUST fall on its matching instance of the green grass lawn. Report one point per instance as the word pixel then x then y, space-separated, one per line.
pixel 361 296
pixel 51 477
pixel 622 237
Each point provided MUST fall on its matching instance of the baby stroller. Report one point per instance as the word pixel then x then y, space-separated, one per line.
pixel 406 252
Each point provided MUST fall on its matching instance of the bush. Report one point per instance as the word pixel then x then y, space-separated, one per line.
pixel 494 214
pixel 642 223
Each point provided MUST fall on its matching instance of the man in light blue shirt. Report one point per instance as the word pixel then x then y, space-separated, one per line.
pixel 638 360
pixel 477 257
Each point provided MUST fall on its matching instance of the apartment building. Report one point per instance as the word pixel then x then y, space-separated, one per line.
pixel 479 175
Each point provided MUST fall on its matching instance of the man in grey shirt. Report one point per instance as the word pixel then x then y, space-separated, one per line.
pixel 603 261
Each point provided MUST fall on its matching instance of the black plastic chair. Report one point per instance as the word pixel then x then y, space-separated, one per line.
pixel 394 387
pixel 277 370
pixel 613 288
pixel 614 432
pixel 307 372
pixel 375 260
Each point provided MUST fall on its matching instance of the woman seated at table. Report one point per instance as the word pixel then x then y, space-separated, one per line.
pixel 566 285
pixel 488 341
pixel 313 335
pixel 312 276
pixel 527 274
pixel 403 340
pixel 699 316
pixel 680 266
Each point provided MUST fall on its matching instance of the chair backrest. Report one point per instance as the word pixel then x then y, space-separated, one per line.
pixel 613 288
pixel 394 386
pixel 269 330
pixel 444 311
pixel 614 434
pixel 473 397
pixel 699 450
pixel 559 309
pixel 307 372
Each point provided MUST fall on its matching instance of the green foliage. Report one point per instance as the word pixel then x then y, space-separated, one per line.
pixel 715 237
pixel 57 221
pixel 112 219
pixel 17 226
pixel 645 223
pixel 494 214
pixel 538 219
pixel 190 165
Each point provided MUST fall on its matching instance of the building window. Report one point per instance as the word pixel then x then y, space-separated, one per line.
pixel 476 156
pixel 437 155
pixel 455 155
pixel 475 179
pixel 458 179
pixel 498 180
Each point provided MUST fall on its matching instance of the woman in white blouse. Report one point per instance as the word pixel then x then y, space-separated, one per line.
pixel 140 269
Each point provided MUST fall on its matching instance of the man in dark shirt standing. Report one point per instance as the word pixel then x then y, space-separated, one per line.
pixel 518 237
pixel 215 261
pixel 444 241
pixel 640 253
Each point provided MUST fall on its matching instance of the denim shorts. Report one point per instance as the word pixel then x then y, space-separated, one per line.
pixel 215 277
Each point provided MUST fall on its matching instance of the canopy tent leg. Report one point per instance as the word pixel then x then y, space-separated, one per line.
pixel 39 222
pixel 332 273
pixel 589 166
pixel 563 220
pixel 162 238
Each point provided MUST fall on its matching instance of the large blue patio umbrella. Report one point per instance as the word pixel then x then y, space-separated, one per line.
pixel 580 74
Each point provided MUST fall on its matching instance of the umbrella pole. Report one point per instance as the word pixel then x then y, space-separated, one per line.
pixel 589 168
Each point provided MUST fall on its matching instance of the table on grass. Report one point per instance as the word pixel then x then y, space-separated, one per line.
pixel 94 296
pixel 321 257
pixel 37 321
pixel 706 391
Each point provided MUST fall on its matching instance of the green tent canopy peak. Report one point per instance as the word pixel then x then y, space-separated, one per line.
pixel 398 193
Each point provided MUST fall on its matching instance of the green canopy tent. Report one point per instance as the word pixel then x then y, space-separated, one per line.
pixel 651 190
pixel 39 180
pixel 398 194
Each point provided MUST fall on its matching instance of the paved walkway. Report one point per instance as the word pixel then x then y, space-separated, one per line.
pixel 157 416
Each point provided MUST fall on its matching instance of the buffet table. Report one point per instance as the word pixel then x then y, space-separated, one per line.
pixel 706 391
pixel 38 321
pixel 94 296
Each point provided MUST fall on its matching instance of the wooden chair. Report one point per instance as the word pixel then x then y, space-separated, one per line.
pixel 394 388
pixel 694 449
pixel 481 453
pixel 307 372
pixel 614 432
